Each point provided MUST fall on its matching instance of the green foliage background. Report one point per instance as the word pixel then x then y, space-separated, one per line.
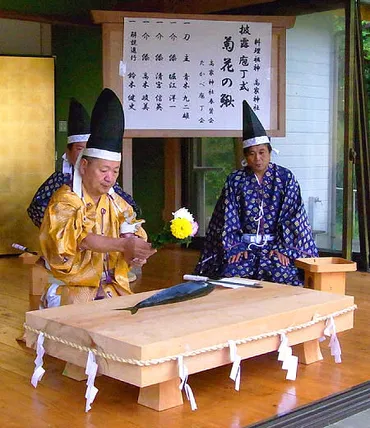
pixel 217 152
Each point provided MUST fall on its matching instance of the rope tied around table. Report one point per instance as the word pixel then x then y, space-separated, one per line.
pixel 195 352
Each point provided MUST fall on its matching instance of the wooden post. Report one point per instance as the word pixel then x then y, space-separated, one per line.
pixel 172 177
pixel 161 396
pixel 308 352
pixel 74 372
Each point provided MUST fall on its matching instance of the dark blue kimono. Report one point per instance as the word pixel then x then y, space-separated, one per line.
pixel 42 197
pixel 258 218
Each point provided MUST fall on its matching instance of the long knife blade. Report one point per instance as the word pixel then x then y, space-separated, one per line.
pixel 240 284
pixel 218 281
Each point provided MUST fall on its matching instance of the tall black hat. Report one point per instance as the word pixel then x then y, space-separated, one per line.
pixel 78 123
pixel 253 131
pixel 107 128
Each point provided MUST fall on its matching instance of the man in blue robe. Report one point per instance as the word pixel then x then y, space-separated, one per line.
pixel 78 134
pixel 259 225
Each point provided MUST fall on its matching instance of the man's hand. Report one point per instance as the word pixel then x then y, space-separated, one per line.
pixel 236 257
pixel 284 260
pixel 135 250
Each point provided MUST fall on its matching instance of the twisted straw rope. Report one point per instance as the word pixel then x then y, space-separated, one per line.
pixel 218 347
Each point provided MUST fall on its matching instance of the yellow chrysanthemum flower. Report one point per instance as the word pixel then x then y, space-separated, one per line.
pixel 181 228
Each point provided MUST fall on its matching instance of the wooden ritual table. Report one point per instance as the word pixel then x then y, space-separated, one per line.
pixel 136 348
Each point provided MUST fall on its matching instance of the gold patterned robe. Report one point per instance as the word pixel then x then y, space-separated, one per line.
pixel 68 220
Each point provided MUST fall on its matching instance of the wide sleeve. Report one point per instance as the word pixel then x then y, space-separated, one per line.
pixel 42 197
pixel 66 224
pixel 295 237
pixel 232 231
pixel 223 237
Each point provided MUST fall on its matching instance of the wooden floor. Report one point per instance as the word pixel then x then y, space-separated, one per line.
pixel 59 401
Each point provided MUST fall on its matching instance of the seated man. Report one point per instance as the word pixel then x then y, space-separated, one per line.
pixel 78 134
pixel 259 225
pixel 80 233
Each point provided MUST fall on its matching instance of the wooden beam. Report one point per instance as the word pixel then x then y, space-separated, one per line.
pixel 185 6
pixel 349 133
pixel 172 177
pixel 112 54
pixel 361 145
pixel 117 17
pixel 207 6
pixel 290 7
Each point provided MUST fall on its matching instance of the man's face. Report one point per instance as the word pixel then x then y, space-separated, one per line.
pixel 258 158
pixel 73 150
pixel 99 175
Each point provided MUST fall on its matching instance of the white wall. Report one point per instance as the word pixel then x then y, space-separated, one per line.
pixel 24 38
pixel 307 147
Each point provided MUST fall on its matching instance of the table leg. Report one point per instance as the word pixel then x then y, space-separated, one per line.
pixel 308 352
pixel 74 372
pixel 161 396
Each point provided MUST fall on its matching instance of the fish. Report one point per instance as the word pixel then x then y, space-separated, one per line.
pixel 178 293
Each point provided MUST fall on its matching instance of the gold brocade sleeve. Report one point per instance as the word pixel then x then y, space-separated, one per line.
pixel 66 223
pixel 68 220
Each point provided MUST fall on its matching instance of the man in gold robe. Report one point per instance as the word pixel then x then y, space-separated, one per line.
pixel 82 235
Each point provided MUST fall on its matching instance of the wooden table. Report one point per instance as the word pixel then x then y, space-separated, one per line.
pixel 171 330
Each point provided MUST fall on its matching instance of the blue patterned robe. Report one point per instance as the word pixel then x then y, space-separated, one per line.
pixel 282 215
pixel 42 197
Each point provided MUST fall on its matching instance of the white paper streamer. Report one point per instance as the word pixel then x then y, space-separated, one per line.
pixel 334 344
pixel 292 367
pixel 235 369
pixel 183 373
pixel 283 347
pixel 290 362
pixel 39 370
pixel 91 390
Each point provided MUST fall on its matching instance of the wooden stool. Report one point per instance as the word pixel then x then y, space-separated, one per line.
pixel 38 279
pixel 326 273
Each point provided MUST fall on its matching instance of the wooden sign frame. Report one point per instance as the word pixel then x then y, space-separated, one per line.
pixel 112 25
pixel 112 32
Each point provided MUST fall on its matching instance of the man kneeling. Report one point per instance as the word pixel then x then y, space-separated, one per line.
pixel 80 235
